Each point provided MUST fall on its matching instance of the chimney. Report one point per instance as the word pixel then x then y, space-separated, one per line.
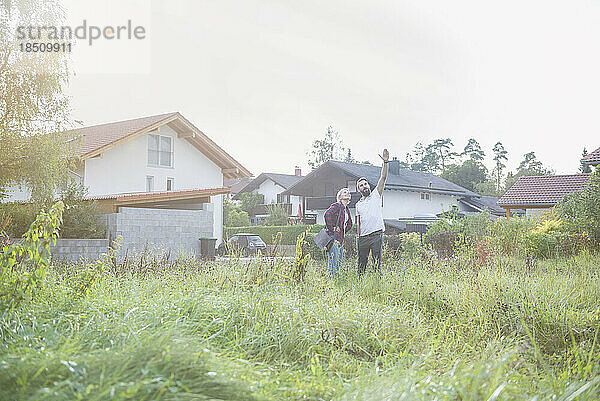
pixel 298 171
pixel 394 166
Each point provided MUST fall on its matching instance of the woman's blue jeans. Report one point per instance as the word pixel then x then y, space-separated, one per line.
pixel 334 258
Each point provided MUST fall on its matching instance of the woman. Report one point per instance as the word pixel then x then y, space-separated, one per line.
pixel 338 222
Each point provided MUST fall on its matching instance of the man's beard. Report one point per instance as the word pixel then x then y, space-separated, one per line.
pixel 366 191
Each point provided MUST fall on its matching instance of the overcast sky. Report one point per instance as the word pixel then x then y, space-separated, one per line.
pixel 265 78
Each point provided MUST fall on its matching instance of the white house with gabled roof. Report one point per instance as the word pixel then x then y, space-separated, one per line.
pixel 153 164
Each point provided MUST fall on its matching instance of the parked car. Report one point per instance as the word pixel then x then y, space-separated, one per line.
pixel 245 244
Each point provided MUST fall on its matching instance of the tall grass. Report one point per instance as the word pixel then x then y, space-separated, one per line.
pixel 434 329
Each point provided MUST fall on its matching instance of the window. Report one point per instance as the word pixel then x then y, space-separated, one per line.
pixel 149 183
pixel 283 198
pixel 170 184
pixel 351 185
pixel 424 196
pixel 160 150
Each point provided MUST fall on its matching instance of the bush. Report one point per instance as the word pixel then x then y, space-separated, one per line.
pixel 81 218
pixel 277 215
pixel 237 218
pixel 23 264
pixel 580 211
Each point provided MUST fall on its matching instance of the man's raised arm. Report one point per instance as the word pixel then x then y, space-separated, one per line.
pixel 384 171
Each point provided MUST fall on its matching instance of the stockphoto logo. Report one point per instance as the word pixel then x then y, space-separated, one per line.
pixel 85 32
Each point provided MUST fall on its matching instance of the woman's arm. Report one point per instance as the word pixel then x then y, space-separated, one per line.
pixel 330 217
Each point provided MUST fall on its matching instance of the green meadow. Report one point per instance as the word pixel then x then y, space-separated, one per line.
pixel 425 329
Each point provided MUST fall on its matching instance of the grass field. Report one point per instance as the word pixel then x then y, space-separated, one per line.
pixel 421 330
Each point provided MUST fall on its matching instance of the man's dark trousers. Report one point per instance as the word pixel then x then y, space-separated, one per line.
pixel 369 243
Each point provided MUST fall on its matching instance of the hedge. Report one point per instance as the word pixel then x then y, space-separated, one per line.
pixel 266 233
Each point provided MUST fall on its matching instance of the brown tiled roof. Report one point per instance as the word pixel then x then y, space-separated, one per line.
pixel 88 139
pixel 236 184
pixel 592 158
pixel 542 190
pixel 92 141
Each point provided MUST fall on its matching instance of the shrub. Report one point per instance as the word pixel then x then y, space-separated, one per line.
pixel 23 264
pixel 81 218
pixel 278 216
pixel 237 218
pixel 580 211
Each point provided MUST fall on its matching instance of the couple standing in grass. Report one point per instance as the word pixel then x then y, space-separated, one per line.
pixel 369 221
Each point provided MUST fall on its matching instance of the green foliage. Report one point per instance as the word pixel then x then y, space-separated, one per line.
pixel 530 165
pixel 580 211
pixel 584 167
pixel 467 175
pixel 289 234
pixel 81 218
pixel 234 216
pixel 330 147
pixel 473 150
pixel 302 258
pixel 34 107
pixel 500 156
pixel 278 216
pixel 249 200
pixel 424 329
pixel 23 264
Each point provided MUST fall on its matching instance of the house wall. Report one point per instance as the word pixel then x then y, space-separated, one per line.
pixel 270 190
pixel 402 204
pixel 295 201
pixel 405 204
pixel 537 212
pixel 124 169
pixel 160 230
pixel 15 193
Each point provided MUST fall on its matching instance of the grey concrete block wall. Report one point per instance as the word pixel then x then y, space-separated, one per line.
pixel 160 231
pixel 76 250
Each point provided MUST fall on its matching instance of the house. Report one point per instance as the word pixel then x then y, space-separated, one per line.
pixel 592 159
pixel 410 196
pixel 235 185
pixel 158 179
pixel 490 204
pixel 272 186
pixel 537 194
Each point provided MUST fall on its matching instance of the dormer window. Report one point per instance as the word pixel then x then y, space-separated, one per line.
pixel 160 150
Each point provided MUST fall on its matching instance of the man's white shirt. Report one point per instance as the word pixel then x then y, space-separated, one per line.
pixel 371 213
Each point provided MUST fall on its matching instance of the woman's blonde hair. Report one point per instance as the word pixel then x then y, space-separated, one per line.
pixel 341 192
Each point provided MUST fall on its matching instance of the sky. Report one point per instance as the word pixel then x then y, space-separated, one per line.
pixel 264 79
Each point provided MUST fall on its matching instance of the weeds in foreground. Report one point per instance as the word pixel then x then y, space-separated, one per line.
pixel 235 330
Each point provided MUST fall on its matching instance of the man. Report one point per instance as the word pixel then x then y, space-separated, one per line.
pixel 369 219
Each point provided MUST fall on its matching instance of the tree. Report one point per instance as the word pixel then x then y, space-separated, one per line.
pixel 473 150
pixel 328 148
pixel 583 167
pixel 249 200
pixel 278 216
pixel 467 174
pixel 487 187
pixel 34 108
pixel 349 158
pixel 234 216
pixel 443 149
pixel 499 157
pixel 530 165
pixel 581 209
